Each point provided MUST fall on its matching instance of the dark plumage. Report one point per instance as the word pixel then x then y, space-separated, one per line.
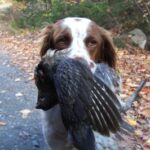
pixel 112 79
pixel 109 76
pixel 84 99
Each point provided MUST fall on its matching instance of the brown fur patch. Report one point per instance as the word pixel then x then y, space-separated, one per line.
pixel 103 52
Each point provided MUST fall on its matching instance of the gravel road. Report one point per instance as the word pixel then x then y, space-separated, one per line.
pixel 20 123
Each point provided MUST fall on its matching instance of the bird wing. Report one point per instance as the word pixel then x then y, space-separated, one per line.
pixel 109 76
pixel 86 99
pixel 72 91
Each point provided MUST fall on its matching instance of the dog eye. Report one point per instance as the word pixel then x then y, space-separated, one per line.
pixel 90 42
pixel 62 43
pixel 62 39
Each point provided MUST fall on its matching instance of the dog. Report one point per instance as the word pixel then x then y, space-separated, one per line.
pixel 84 39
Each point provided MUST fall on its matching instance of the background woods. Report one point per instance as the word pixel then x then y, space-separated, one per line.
pixel 126 14
pixel 119 16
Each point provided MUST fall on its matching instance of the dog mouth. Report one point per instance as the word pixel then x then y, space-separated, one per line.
pixel 58 53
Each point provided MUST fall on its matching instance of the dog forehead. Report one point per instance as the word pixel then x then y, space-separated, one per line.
pixel 77 25
pixel 76 20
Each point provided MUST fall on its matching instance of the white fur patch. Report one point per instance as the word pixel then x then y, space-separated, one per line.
pixel 79 28
pixel 54 131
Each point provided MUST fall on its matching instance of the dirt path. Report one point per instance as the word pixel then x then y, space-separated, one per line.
pixel 20 127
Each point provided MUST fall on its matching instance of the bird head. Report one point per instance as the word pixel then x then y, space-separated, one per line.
pixel 47 97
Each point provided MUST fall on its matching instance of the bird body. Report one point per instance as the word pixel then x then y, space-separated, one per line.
pixel 86 102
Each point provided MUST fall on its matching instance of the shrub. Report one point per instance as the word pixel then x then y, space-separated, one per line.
pixel 106 13
pixel 34 18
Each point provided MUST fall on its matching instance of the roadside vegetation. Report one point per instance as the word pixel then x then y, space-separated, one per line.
pixel 124 15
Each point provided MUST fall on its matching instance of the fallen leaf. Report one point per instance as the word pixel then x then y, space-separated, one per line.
pixel 146 90
pixel 148 141
pixel 19 94
pixel 17 79
pixel 131 121
pixel 138 132
pixel 132 85
pixel 25 113
pixel 129 80
pixel 146 146
pixel 30 78
pixel 24 134
pixel 146 112
pixel 3 91
pixel 123 96
pixel 2 123
pixel 147 84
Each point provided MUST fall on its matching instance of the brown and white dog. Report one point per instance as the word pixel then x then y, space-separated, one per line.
pixel 85 39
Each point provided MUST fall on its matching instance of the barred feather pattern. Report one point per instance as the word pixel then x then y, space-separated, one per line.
pixel 86 99
pixel 109 76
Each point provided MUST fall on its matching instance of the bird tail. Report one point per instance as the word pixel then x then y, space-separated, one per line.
pixel 134 97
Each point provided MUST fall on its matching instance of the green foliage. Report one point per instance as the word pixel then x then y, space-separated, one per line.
pixel 31 19
pixel 106 13
pixel 95 11
pixel 61 9
pixel 128 15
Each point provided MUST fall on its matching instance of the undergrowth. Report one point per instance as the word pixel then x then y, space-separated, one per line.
pixel 117 14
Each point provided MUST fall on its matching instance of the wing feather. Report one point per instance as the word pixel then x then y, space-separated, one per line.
pixel 87 97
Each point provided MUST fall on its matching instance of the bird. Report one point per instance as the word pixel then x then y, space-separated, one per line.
pixel 86 102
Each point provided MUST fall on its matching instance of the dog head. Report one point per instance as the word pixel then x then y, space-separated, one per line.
pixel 83 37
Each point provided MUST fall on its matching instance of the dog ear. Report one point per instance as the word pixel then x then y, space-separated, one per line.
pixel 47 40
pixel 106 53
